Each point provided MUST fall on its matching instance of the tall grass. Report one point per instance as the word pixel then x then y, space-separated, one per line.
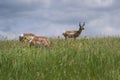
pixel 82 59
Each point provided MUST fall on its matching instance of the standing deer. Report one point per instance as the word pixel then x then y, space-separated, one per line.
pixel 39 41
pixel 25 37
pixel 74 33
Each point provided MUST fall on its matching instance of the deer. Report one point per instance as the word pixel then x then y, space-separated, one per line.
pixel 74 33
pixel 25 37
pixel 39 41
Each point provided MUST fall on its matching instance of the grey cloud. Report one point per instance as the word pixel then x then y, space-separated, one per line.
pixel 39 16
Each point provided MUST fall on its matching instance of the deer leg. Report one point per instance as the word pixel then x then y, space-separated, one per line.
pixel 74 38
pixel 65 37
pixel 31 44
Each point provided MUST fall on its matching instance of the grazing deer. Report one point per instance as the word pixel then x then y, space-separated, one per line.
pixel 74 33
pixel 25 37
pixel 39 41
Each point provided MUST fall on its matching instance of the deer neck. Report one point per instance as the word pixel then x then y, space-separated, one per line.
pixel 79 31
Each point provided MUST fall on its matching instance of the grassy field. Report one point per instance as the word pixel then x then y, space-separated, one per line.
pixel 82 59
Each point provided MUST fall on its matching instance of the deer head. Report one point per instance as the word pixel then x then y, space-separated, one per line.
pixel 81 26
pixel 25 37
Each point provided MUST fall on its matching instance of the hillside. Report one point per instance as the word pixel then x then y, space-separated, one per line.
pixel 81 59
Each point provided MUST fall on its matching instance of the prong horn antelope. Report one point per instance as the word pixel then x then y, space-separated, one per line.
pixel 39 41
pixel 25 37
pixel 74 33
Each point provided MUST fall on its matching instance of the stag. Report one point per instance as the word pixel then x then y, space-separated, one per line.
pixel 74 33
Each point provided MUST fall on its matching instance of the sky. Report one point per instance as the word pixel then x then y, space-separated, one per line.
pixel 53 17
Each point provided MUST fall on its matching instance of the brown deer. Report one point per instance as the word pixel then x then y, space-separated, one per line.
pixel 25 37
pixel 74 33
pixel 39 41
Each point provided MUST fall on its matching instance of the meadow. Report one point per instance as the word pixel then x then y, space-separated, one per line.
pixel 82 59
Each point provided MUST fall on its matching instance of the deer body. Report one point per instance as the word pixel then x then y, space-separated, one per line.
pixel 73 33
pixel 39 41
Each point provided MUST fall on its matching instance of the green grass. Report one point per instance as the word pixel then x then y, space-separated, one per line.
pixel 82 59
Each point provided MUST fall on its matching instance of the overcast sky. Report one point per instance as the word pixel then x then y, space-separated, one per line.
pixel 53 17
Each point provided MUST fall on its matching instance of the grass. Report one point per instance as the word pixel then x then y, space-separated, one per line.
pixel 83 59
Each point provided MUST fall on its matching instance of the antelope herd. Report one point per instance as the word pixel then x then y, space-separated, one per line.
pixel 43 41
pixel 34 39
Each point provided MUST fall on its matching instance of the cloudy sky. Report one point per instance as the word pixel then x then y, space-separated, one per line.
pixel 53 17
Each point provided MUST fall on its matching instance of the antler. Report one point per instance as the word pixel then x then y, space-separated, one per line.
pixel 79 23
pixel 84 24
